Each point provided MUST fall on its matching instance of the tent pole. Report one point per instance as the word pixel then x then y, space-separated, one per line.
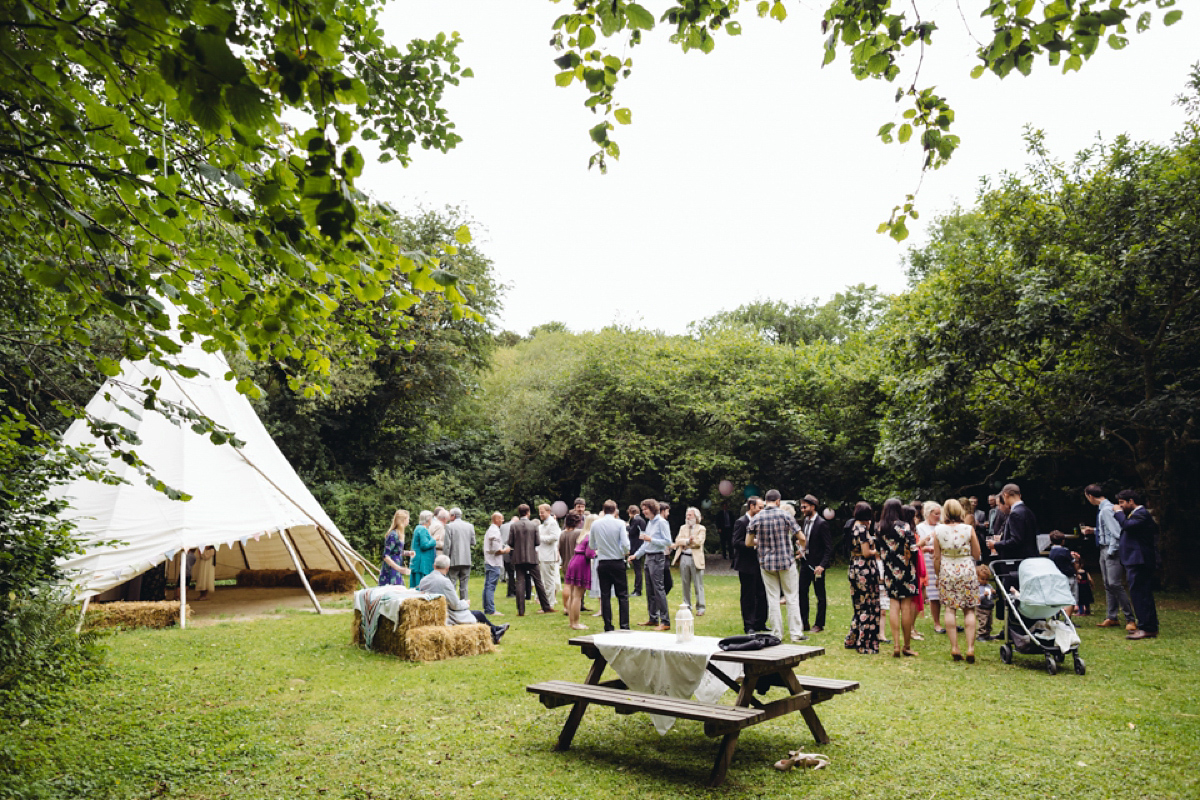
pixel 83 613
pixel 287 540
pixel 337 557
pixel 183 589
pixel 349 562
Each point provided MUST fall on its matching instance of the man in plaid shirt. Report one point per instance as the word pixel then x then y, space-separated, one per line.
pixel 774 531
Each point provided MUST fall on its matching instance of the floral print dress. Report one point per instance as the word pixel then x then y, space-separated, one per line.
pixel 393 547
pixel 899 561
pixel 957 582
pixel 864 592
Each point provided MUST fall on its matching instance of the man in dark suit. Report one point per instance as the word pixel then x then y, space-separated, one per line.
pixel 523 537
pixel 725 520
pixel 1136 550
pixel 634 529
pixel 745 561
pixel 1019 539
pixel 818 553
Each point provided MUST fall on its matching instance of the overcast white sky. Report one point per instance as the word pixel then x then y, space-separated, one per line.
pixel 747 173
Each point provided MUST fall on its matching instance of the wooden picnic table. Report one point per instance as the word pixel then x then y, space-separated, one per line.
pixel 770 666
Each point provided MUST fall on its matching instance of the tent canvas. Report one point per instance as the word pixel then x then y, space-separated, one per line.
pixel 246 501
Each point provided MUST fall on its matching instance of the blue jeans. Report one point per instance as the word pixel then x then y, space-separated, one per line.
pixel 491 577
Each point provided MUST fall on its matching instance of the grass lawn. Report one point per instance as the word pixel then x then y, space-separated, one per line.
pixel 281 708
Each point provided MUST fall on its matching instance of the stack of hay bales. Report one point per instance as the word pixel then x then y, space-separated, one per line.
pixel 333 582
pixel 163 614
pixel 321 580
pixel 423 635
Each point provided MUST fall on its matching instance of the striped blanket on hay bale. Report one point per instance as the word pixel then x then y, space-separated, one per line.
pixel 420 632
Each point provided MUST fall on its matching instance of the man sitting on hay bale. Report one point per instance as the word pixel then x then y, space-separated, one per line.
pixel 458 612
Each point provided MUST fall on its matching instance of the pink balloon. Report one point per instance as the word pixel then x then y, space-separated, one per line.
pixel 726 488
pixel 559 508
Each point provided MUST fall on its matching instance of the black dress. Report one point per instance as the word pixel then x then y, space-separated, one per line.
pixel 864 592
pixel 899 561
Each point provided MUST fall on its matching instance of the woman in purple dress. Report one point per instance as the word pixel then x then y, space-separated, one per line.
pixel 579 573
pixel 392 572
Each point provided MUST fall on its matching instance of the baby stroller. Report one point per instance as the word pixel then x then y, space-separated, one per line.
pixel 1035 619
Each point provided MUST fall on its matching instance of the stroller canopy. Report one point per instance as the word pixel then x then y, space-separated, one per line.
pixel 1044 590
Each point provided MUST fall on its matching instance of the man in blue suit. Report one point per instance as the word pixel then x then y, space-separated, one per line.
pixel 1138 531
pixel 1019 539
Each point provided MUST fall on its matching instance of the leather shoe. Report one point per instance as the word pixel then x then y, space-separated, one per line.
pixel 816 629
pixel 648 623
pixel 1131 627
pixel 662 627
pixel 1141 634
pixel 1107 623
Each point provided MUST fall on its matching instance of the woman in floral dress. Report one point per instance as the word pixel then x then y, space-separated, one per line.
pixel 900 556
pixel 392 572
pixel 955 551
pixel 864 584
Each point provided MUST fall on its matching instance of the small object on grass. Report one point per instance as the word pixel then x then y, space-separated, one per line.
pixel 797 758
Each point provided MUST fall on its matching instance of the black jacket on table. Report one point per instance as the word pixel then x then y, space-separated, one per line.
pixel 1020 534
pixel 745 559
pixel 818 550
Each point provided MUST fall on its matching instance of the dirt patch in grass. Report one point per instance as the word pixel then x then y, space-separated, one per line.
pixel 250 603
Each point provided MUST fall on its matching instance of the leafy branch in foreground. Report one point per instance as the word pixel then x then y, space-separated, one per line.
pixel 872 33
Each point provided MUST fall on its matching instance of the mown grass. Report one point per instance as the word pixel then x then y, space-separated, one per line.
pixel 286 707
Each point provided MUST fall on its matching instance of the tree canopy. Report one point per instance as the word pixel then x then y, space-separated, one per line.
pixel 872 35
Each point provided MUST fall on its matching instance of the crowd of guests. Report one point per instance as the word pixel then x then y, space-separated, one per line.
pixel 902 559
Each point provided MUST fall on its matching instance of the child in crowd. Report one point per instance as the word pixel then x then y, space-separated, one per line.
pixel 987 602
pixel 1061 557
pixel 885 602
pixel 1084 585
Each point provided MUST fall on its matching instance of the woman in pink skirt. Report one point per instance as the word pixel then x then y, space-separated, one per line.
pixel 579 573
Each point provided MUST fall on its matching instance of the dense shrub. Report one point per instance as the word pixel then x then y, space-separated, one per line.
pixel 363 511
pixel 40 653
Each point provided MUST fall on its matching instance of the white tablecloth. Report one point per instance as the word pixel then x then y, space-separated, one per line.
pixel 656 664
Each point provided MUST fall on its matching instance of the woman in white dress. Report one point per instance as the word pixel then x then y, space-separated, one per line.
pixel 206 571
pixel 955 551
pixel 933 515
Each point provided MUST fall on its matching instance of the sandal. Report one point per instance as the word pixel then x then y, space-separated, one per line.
pixel 970 658
pixel 956 656
pixel 908 651
pixel 896 653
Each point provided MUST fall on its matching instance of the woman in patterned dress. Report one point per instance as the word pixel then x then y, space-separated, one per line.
pixel 392 572
pixel 864 584
pixel 900 554
pixel 955 551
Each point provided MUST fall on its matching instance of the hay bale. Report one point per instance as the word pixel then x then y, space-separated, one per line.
pixel 162 614
pixel 437 643
pixel 329 582
pixel 416 613
pixel 271 578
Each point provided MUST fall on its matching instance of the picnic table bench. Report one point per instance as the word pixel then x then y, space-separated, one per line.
pixel 772 666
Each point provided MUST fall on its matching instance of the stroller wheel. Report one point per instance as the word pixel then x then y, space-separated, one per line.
pixel 1080 667
pixel 1051 665
pixel 1006 654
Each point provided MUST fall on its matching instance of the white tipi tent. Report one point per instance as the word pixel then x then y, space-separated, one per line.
pixel 248 501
